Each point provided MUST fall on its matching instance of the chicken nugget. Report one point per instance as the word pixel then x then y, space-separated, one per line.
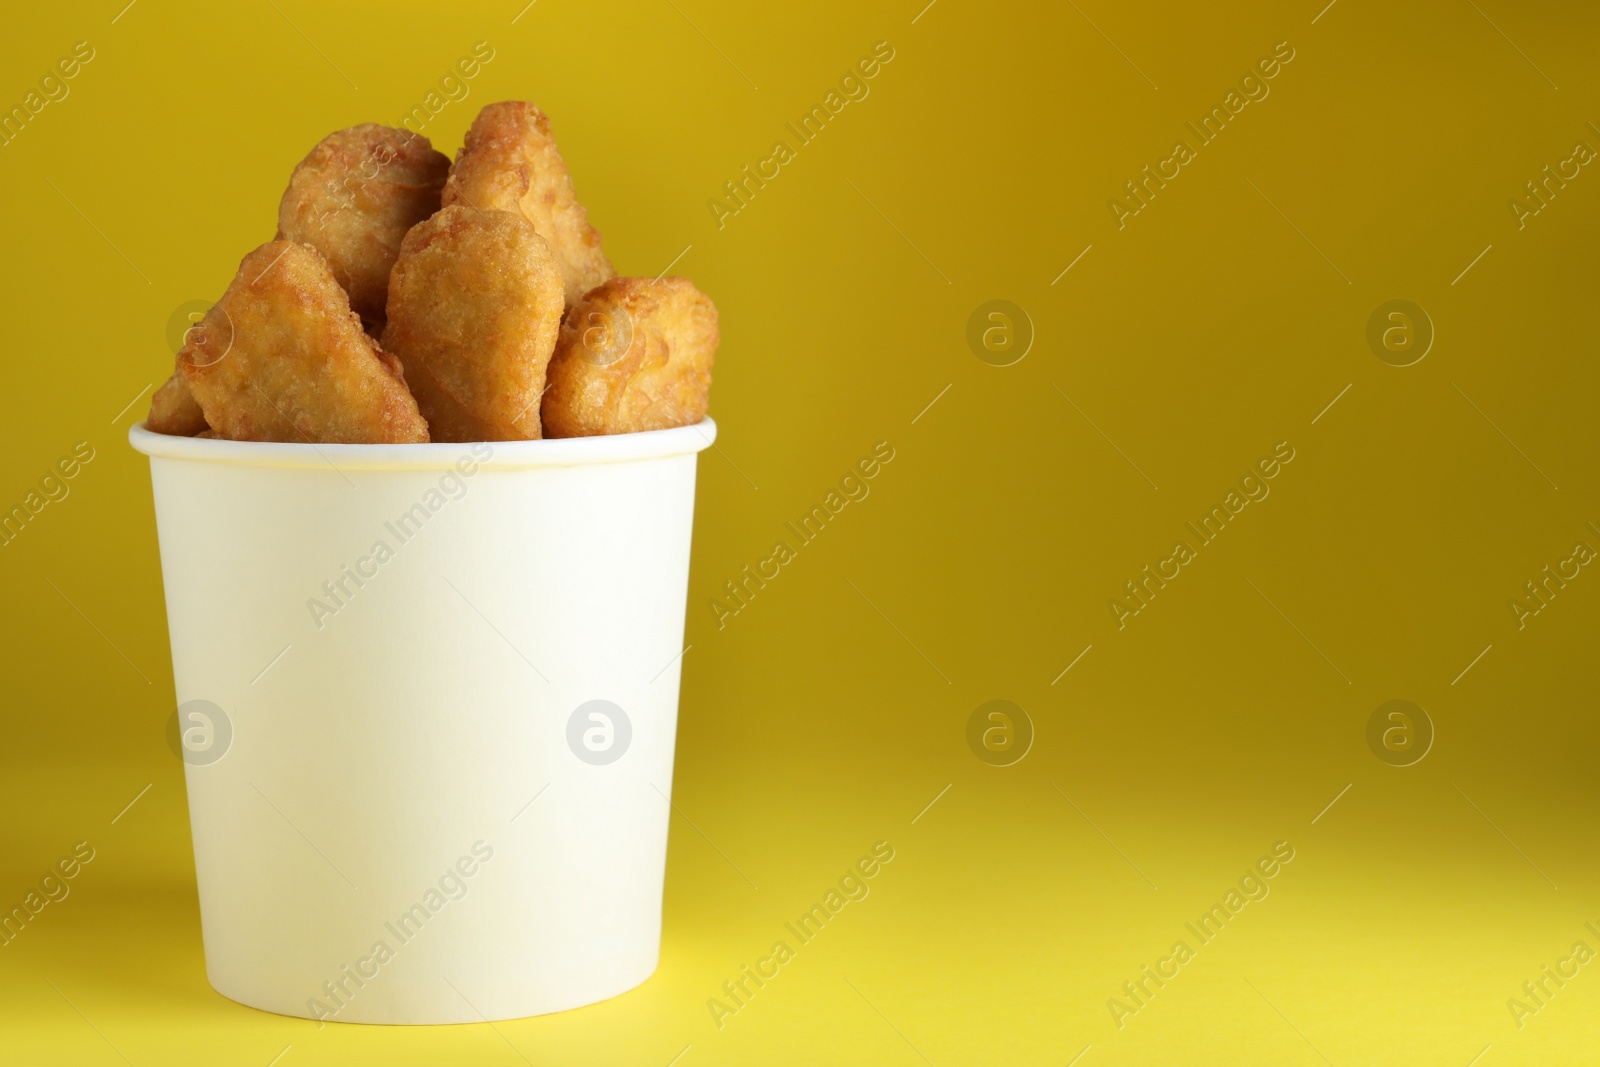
pixel 354 197
pixel 634 354
pixel 281 357
pixel 174 410
pixel 475 302
pixel 509 162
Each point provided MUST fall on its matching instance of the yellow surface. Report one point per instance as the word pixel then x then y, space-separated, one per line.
pixel 1222 319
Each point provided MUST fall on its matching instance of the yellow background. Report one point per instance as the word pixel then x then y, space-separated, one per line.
pixel 1223 319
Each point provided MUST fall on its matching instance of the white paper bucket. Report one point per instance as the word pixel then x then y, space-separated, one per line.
pixel 407 806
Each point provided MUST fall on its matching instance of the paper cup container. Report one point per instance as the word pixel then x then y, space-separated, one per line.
pixel 427 702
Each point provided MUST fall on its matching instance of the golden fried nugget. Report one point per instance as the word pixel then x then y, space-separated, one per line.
pixel 174 410
pixel 475 301
pixel 509 162
pixel 354 197
pixel 281 357
pixel 634 354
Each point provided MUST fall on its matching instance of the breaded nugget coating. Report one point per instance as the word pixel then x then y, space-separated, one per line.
pixel 634 354
pixel 475 302
pixel 509 162
pixel 354 197
pixel 281 357
pixel 174 410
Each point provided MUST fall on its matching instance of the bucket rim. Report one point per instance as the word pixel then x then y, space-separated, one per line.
pixel 509 455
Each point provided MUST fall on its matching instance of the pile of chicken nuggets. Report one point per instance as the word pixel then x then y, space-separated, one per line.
pixel 408 298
